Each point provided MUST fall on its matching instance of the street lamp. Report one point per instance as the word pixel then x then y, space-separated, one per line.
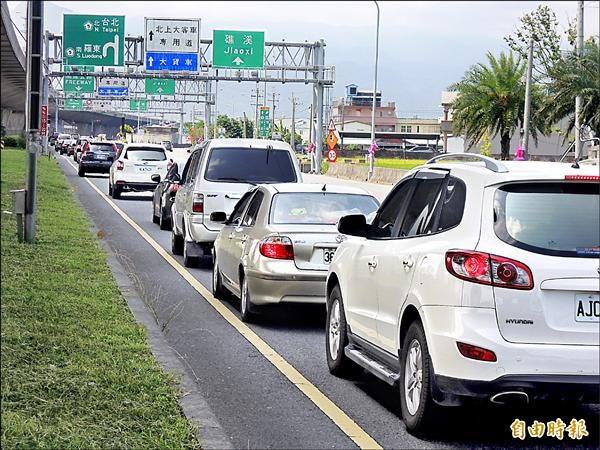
pixel 372 149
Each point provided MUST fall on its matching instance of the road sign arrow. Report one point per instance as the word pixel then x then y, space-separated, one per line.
pixel 150 60
pixel 237 61
pixel 151 34
pixel 78 88
pixel 159 90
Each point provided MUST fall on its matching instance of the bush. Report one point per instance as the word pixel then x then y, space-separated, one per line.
pixel 324 166
pixel 16 141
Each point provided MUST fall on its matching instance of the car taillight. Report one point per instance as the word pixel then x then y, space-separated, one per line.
pixel 583 177
pixel 120 165
pixel 478 353
pixel 198 203
pixel 277 247
pixel 493 270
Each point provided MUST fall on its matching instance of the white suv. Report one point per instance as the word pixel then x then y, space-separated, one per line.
pixel 474 281
pixel 215 177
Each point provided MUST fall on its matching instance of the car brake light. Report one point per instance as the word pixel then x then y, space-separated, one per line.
pixel 277 247
pixel 120 165
pixel 478 353
pixel 583 177
pixel 198 203
pixel 493 270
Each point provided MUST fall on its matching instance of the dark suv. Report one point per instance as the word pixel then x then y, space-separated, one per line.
pixel 97 157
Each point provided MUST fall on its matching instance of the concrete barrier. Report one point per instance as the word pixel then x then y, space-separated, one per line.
pixel 381 175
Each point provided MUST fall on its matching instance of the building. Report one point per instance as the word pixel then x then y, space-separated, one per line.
pixel 415 126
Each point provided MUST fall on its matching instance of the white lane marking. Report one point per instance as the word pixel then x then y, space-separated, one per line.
pixel 329 408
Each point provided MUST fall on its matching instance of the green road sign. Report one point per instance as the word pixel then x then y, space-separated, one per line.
pixel 93 40
pixel 138 105
pixel 73 103
pixel 78 84
pixel 160 86
pixel 263 124
pixel 239 49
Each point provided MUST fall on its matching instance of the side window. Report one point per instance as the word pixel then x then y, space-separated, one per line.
pixel 421 212
pixel 250 217
pixel 388 219
pixel 453 205
pixel 236 215
pixel 188 171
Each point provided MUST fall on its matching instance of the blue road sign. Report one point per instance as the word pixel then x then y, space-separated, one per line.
pixel 116 91
pixel 172 61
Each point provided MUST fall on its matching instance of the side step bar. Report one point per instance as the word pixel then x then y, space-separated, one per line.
pixel 378 369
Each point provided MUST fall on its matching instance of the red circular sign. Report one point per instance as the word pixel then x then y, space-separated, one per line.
pixel 332 155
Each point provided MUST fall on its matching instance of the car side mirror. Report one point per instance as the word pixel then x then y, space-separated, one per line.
pixel 353 225
pixel 218 216
pixel 155 177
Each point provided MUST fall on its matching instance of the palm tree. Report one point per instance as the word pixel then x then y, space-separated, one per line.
pixel 491 101
pixel 570 77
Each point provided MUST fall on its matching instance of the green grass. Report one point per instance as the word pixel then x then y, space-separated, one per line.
pixel 394 163
pixel 76 369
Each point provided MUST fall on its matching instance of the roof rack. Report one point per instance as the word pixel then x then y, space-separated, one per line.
pixel 490 163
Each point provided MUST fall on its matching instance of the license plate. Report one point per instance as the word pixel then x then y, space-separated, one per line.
pixel 145 169
pixel 587 308
pixel 101 156
pixel 328 255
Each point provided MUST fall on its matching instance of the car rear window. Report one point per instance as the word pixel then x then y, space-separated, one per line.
pixel 560 219
pixel 250 165
pixel 318 208
pixel 145 154
pixel 102 148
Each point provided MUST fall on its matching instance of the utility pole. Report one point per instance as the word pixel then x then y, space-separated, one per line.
pixel 293 138
pixel 527 113
pixel 256 105
pixel 342 132
pixel 273 116
pixel 372 154
pixel 578 98
pixel 244 129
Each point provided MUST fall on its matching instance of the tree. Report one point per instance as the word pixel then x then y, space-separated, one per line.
pixel 286 134
pixel 491 101
pixel 570 77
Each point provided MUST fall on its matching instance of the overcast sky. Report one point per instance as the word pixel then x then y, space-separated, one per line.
pixel 423 46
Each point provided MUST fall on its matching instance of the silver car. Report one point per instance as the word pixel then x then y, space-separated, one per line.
pixel 277 243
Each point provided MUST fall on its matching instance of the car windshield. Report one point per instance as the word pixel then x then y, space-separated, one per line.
pixel 319 208
pixel 102 148
pixel 250 165
pixel 560 219
pixel 145 154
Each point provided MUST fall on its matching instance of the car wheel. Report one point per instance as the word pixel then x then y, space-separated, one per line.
pixel 176 243
pixel 336 338
pixel 246 313
pixel 155 218
pixel 116 192
pixel 80 171
pixel 163 222
pixel 188 261
pixel 419 410
pixel 217 285
pixel 109 189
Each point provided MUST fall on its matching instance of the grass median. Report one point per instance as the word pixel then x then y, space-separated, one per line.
pixel 76 369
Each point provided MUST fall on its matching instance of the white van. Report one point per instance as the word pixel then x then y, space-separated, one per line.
pixel 215 177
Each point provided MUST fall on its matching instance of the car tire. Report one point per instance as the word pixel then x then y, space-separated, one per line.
pixel 163 222
pixel 155 218
pixel 176 243
pixel 188 261
pixel 110 189
pixel 246 311
pixel 217 284
pixel 80 171
pixel 336 336
pixel 116 192
pixel 419 411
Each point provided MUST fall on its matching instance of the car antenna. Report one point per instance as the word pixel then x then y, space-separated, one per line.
pixel 324 188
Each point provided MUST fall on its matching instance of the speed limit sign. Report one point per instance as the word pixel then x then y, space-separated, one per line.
pixel 331 155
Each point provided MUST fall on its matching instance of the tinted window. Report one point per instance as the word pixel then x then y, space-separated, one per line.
pixel 559 219
pixel 319 208
pixel 421 210
pixel 236 215
pixel 253 165
pixel 388 219
pixel 102 148
pixel 145 154
pixel 189 172
pixel 252 213
pixel 453 205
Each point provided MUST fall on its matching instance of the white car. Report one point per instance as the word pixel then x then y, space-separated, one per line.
pixel 214 178
pixel 134 167
pixel 474 281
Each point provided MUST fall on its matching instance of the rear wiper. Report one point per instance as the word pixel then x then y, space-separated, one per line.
pixel 239 180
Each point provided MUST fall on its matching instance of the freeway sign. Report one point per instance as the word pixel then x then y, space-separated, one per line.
pixel 117 91
pixel 264 124
pixel 172 61
pixel 73 103
pixel 138 105
pixel 93 40
pixel 172 35
pixel 78 84
pixel 160 86
pixel 238 49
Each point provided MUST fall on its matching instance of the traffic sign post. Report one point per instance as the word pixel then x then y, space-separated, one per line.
pixel 172 61
pixel 73 103
pixel 138 105
pixel 332 155
pixel 44 121
pixel 93 40
pixel 78 84
pixel 264 123
pixel 110 86
pixel 172 35
pixel 331 139
pixel 238 49
pixel 160 86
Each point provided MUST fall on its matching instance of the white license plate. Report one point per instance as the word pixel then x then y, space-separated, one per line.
pixel 101 156
pixel 328 255
pixel 587 308
pixel 145 169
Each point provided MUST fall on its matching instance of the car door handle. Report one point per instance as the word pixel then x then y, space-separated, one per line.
pixel 372 264
pixel 408 262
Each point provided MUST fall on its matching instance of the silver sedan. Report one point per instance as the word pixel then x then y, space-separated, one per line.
pixel 277 243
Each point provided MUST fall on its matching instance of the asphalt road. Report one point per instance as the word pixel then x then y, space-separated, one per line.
pixel 257 406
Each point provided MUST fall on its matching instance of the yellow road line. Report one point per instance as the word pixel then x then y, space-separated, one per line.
pixel 330 409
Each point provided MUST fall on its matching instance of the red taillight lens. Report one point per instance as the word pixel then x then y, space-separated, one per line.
pixel 478 353
pixel 277 247
pixel 484 268
pixel 583 177
pixel 120 165
pixel 198 203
